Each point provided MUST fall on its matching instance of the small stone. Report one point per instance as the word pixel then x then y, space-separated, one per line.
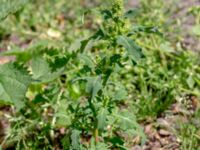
pixel 148 128
pixel 164 141
pixel 62 131
pixel 164 133
pixel 172 138
pixel 156 146
pixel 136 140
pixel 136 147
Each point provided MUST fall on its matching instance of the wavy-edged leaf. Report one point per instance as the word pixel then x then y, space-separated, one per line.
pixel 10 6
pixel 131 13
pixel 93 86
pixel 87 60
pixel 134 51
pixel 41 70
pixel 120 94
pixel 14 82
pixel 146 29
pixel 128 122
pixel 102 118
pixel 75 137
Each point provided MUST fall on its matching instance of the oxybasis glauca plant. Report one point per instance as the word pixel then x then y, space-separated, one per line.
pixel 112 48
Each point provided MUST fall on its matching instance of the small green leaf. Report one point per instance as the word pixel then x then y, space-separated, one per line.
pixel 14 82
pixel 107 14
pixel 120 94
pixel 196 30
pixel 134 51
pixel 42 71
pixel 102 146
pixel 63 117
pixel 131 13
pixel 84 44
pixel 102 118
pixel 93 86
pixel 75 137
pixel 190 81
pixel 127 122
pixel 166 46
pixel 146 29
pixel 10 6
pixel 87 60
pixel 116 140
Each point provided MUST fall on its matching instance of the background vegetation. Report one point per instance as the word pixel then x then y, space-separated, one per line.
pixel 99 74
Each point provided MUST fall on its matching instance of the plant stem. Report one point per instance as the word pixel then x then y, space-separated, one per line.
pixel 96 135
pixel 95 128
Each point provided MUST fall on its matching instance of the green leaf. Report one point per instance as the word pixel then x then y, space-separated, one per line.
pixel 75 137
pixel 120 94
pixel 93 85
pixel 107 14
pixel 131 13
pixel 14 82
pixel 42 71
pixel 166 46
pixel 190 81
pixel 10 6
pixel 127 122
pixel 34 50
pixel 134 51
pixel 84 44
pixel 102 146
pixel 116 140
pixel 63 117
pixel 97 146
pixel 87 60
pixel 102 118
pixel 196 30
pixel 146 29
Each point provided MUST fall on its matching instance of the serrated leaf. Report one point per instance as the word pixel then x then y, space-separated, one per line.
pixel 127 122
pixel 41 70
pixel 87 60
pixel 84 44
pixel 134 51
pixel 102 146
pixel 120 94
pixel 63 119
pixel 93 86
pixel 131 13
pixel 102 118
pixel 35 49
pixel 39 67
pixel 166 46
pixel 107 14
pixel 97 146
pixel 196 30
pixel 14 82
pixel 10 6
pixel 75 137
pixel 146 29
pixel 190 81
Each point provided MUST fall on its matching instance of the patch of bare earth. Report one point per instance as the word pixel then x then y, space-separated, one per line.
pixel 161 133
pixel 190 41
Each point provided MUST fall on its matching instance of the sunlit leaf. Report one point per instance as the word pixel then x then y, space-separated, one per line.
pixel 10 6
pixel 134 51
pixel 14 82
